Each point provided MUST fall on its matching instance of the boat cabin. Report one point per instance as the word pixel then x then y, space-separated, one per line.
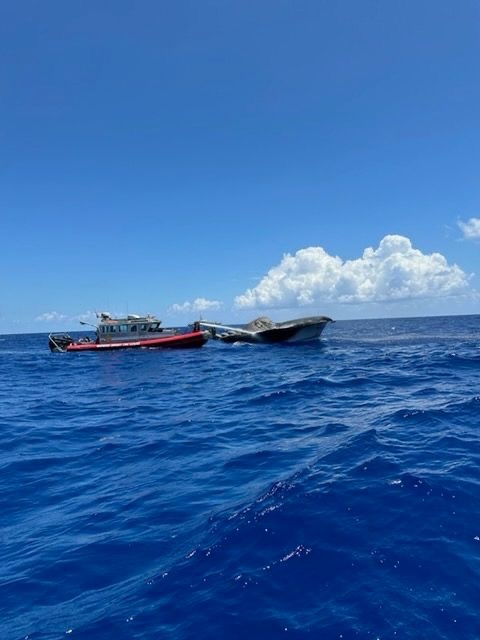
pixel 133 327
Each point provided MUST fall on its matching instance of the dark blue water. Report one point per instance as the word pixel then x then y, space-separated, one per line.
pixel 326 490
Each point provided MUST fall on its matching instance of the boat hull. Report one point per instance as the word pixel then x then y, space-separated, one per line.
pixel 191 340
pixel 293 331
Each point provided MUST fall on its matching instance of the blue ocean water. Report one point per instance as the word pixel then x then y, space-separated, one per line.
pixel 326 490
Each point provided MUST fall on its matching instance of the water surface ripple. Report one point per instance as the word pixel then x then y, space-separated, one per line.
pixel 326 490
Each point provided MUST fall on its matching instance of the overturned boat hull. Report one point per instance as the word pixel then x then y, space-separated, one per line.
pixel 264 330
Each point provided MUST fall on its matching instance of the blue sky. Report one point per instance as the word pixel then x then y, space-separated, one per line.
pixel 231 159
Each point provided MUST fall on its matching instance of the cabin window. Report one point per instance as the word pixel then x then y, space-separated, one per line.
pixel 144 327
pixel 111 328
pixel 153 327
pixel 133 327
pixel 122 328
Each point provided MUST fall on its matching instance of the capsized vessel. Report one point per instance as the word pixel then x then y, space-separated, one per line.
pixel 131 332
pixel 265 330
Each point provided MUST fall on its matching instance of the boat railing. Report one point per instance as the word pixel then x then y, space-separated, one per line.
pixel 59 341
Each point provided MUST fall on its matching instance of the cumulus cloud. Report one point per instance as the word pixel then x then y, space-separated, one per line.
pixel 393 271
pixel 49 316
pixel 197 306
pixel 470 229
pixel 55 316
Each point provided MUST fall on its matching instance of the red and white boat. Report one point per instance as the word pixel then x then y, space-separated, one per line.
pixel 132 332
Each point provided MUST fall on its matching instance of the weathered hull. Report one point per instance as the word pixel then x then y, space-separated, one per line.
pixel 190 340
pixel 288 332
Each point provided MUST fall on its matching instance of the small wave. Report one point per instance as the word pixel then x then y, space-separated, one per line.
pixel 329 490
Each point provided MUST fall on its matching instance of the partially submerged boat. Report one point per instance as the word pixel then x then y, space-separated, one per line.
pixel 264 330
pixel 129 333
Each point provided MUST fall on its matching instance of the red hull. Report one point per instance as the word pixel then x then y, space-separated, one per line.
pixel 182 341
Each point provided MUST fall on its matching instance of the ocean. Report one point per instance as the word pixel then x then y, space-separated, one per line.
pixel 325 490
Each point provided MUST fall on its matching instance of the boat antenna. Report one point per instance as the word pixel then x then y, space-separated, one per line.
pixel 87 323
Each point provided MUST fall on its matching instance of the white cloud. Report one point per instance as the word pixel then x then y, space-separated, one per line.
pixel 393 271
pixel 197 306
pixel 54 316
pixel 470 229
pixel 49 316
